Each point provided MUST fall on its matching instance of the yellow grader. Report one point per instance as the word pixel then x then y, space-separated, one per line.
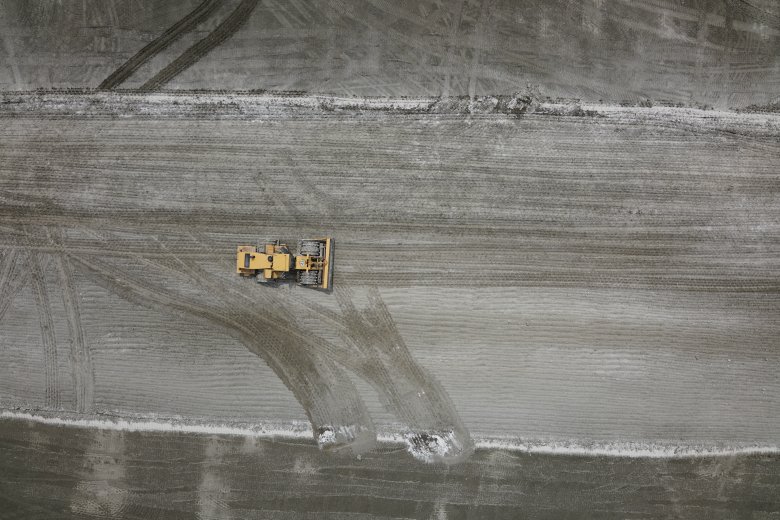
pixel 273 261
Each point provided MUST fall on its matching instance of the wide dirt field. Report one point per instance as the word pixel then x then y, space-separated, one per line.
pixel 557 268
pixel 723 53
pixel 54 473
pixel 610 277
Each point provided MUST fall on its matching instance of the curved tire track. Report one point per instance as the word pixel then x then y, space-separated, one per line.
pixel 410 392
pixel 186 24
pixel 312 367
pixel 334 407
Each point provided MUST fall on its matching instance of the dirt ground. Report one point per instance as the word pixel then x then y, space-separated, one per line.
pixel 86 473
pixel 546 240
pixel 723 53
pixel 606 277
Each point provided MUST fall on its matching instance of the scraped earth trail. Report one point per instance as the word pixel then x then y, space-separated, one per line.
pixel 280 326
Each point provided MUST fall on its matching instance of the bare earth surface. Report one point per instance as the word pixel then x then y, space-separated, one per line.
pixel 543 245
pixel 723 53
pixel 53 473
pixel 603 278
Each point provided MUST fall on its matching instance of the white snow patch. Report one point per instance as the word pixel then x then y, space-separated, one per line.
pixel 427 448
pixel 287 430
pixel 356 437
pixel 625 448
pixel 437 446
pixel 260 106
pixel 326 438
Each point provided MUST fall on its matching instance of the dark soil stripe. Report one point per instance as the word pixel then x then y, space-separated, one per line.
pixel 189 57
pixel 186 24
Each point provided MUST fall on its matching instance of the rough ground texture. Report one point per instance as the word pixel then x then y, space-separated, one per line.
pixel 611 276
pixel 512 269
pixel 78 473
pixel 724 53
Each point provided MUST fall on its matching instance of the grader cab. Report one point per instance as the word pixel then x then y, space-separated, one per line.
pixel 272 261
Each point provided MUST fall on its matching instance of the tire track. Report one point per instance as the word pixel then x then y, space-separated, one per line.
pixel 334 406
pixel 43 304
pixel 12 278
pixel 409 391
pixel 80 357
pixel 310 365
pixel 223 32
pixel 761 14
pixel 328 396
pixel 374 350
pixel 186 24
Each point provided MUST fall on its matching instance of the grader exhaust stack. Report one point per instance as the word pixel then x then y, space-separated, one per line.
pixel 273 261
